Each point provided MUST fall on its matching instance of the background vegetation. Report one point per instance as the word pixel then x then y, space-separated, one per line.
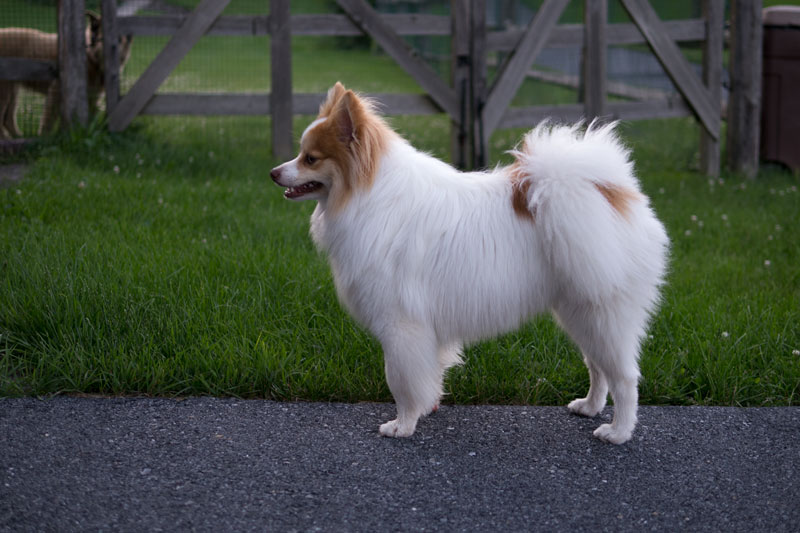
pixel 163 261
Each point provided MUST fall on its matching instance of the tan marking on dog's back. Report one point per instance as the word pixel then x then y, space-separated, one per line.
pixel 620 198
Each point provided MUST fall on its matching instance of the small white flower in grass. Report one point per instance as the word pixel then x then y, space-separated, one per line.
pixel 19 191
pixel 694 218
pixel 778 227
pixel 767 263
pixel 82 185
pixel 795 352
pixel 116 169
pixel 724 216
pixel 699 223
pixel 725 334
pixel 138 174
pixel 769 237
pixel 793 188
pixel 205 241
pixel 687 232
pixel 661 190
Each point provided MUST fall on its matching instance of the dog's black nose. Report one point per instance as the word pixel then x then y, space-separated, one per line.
pixel 275 174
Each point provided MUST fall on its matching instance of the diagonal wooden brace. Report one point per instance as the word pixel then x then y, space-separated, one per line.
pixel 194 27
pixel 368 21
pixel 677 66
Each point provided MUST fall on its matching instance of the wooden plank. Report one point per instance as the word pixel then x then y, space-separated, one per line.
pixel 213 104
pixel 571 35
pixel 20 69
pixel 744 101
pixel 110 54
pixel 184 39
pixel 460 142
pixel 281 78
pixel 365 17
pixel 714 13
pixel 72 63
pixel 594 57
pixel 478 84
pixel 512 73
pixel 613 87
pixel 207 104
pixel 169 24
pixel 401 24
pixel 323 24
pixel 528 117
pixel 675 64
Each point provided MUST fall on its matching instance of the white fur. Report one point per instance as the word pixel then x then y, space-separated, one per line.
pixel 429 259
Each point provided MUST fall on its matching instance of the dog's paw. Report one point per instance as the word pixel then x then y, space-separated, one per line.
pixel 394 428
pixel 583 407
pixel 609 433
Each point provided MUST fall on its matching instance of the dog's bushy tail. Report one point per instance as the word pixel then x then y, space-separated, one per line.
pixel 597 227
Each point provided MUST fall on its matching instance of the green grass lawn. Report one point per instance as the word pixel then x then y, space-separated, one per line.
pixel 163 261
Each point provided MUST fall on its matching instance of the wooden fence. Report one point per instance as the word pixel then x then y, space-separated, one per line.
pixel 69 68
pixel 475 107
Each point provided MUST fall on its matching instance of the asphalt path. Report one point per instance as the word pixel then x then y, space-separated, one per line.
pixel 206 464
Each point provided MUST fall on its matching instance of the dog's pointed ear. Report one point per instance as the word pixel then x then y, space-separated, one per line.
pixel 335 94
pixel 346 117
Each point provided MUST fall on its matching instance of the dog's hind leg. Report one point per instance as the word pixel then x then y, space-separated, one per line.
pixel 9 92
pixel 414 375
pixel 610 346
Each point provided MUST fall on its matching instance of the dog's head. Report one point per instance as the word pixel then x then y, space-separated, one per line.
pixel 339 151
pixel 94 47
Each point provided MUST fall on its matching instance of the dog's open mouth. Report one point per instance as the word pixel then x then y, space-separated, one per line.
pixel 302 190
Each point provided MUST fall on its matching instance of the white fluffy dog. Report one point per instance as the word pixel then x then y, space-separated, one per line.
pixel 429 258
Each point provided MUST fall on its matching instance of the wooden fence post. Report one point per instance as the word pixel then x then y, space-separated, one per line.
pixel 714 15
pixel 72 62
pixel 594 58
pixel 744 101
pixel 110 53
pixel 478 84
pixel 460 134
pixel 280 99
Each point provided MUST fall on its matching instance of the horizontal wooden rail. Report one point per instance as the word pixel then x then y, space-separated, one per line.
pixel 525 117
pixel 571 35
pixel 259 104
pixel 19 69
pixel 329 25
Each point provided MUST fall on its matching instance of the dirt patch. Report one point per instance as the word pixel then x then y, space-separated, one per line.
pixel 12 174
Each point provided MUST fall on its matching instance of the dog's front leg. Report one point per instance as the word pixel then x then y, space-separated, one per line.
pixel 414 375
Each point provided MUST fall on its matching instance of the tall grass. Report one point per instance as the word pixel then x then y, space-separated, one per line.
pixel 163 261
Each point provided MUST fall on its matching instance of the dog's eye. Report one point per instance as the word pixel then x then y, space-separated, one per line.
pixel 310 159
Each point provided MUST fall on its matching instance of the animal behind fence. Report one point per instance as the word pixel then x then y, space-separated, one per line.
pixel 30 43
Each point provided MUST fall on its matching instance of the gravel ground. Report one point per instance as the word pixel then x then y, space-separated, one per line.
pixel 122 464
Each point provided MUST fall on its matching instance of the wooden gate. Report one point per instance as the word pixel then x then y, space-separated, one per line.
pixel 474 108
pixel 700 97
pixel 281 103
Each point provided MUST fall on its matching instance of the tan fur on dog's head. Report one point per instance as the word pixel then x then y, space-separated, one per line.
pixel 339 152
